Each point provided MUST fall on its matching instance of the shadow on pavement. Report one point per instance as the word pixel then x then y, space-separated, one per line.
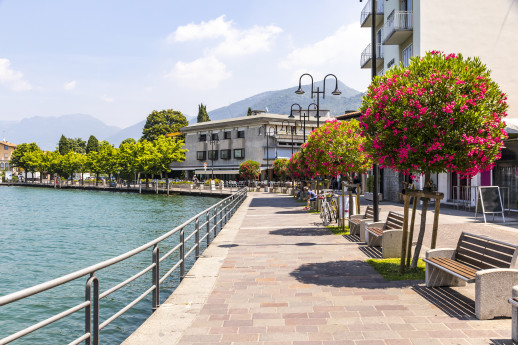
pixel 353 273
pixel 271 202
pixel 449 301
pixel 352 238
pixel 371 252
pixel 299 211
pixel 300 232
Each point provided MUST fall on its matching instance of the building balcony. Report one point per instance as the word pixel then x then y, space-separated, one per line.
pixel 366 19
pixel 398 28
pixel 366 58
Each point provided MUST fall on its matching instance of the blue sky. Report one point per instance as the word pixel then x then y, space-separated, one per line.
pixel 120 60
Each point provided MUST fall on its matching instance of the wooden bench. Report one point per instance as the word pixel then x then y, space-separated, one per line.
pixel 486 262
pixel 357 222
pixel 387 234
pixel 514 305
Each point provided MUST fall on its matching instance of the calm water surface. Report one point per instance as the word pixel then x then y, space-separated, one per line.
pixel 46 233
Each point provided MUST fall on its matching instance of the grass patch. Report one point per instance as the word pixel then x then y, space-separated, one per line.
pixel 389 269
pixel 337 230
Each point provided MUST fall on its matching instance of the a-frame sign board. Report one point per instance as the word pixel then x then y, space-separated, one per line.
pixel 489 199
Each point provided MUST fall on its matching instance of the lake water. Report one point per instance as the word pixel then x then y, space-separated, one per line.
pixel 46 233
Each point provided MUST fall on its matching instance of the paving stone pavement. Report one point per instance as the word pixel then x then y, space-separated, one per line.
pixel 284 279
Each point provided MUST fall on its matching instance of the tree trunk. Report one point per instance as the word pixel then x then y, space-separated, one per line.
pixel 96 179
pixel 422 228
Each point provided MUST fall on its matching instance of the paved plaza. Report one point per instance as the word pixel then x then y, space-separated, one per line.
pixel 275 275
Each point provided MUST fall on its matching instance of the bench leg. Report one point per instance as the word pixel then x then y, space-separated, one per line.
pixel 515 316
pixel 492 289
pixel 391 243
pixel 435 277
pixel 371 240
pixel 363 232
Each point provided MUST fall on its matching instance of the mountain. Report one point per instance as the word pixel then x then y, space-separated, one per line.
pixel 46 131
pixel 279 102
pixel 134 132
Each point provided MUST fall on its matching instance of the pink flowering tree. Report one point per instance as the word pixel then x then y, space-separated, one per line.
pixel 442 113
pixel 296 166
pixel 249 170
pixel 335 148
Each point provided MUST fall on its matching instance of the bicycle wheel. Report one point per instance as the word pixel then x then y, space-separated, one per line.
pixel 334 210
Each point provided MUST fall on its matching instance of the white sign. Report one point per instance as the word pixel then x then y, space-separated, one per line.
pixel 205 166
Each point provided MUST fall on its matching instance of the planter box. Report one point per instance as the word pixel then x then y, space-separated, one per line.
pixel 370 196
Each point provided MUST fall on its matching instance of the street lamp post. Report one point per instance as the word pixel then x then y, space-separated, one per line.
pixel 375 203
pixel 336 92
pixel 291 129
pixel 268 133
pixel 212 141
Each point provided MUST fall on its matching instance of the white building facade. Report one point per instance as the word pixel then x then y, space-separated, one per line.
pixel 474 28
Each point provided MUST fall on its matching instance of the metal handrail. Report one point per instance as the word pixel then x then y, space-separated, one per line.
pixel 222 210
pixel 366 11
pixel 367 53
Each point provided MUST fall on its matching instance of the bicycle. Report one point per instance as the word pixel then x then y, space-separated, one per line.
pixel 327 208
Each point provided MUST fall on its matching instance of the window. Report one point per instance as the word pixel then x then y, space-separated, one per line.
pixel 201 155
pixel 225 154
pixel 407 54
pixel 214 136
pixel 213 155
pixel 228 135
pixel 6 166
pixel 239 153
pixel 6 155
pixel 203 137
pixel 240 134
pixel 1 166
pixel 6 147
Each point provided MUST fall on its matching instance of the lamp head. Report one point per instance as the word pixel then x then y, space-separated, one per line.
pixel 336 92
pixel 291 115
pixel 299 91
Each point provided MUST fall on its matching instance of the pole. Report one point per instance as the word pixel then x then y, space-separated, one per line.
pixel 212 158
pixel 267 157
pixel 373 75
pixel 318 105
pixel 304 117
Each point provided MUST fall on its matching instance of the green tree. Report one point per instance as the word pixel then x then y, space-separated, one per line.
pixel 64 145
pixel 127 140
pixel 169 151
pixel 249 113
pixel 128 159
pixel 203 116
pixel 160 123
pixel 92 145
pixel 78 145
pixel 280 168
pixel 94 164
pixel 20 157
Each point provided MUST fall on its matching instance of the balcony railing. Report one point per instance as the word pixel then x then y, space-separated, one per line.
pixel 366 12
pixel 398 27
pixel 366 58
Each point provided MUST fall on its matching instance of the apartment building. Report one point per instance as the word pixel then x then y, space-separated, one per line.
pixel 6 150
pixel 474 28
pixel 219 147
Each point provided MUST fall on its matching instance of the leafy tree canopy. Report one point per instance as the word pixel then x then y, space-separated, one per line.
pixel 249 170
pixel 249 113
pixel 160 123
pixel 92 145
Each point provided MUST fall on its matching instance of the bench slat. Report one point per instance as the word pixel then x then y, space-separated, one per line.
pixel 377 232
pixel 468 273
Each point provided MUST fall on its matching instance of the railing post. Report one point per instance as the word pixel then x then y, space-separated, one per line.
pixel 197 236
pixel 182 253
pixel 208 227
pixel 94 304
pixel 217 224
pixel 156 277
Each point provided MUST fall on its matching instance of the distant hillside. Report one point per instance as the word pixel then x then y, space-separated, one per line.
pixel 279 102
pixel 46 131
pixel 134 132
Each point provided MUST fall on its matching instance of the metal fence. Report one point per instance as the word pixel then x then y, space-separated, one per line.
pixel 206 226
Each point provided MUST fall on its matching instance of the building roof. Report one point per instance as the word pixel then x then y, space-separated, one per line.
pixel 258 119
pixel 349 115
pixel 3 142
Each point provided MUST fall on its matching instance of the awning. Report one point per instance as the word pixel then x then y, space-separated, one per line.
pixel 216 172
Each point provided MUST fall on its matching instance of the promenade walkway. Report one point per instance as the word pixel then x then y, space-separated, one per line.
pixel 274 275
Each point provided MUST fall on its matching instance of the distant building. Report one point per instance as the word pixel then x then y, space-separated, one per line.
pixel 6 149
pixel 221 146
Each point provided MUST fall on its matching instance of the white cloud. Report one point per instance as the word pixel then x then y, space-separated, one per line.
pixel 13 79
pixel 208 71
pixel 212 29
pixel 256 39
pixel 203 73
pixel 337 53
pixel 70 86
pixel 107 99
